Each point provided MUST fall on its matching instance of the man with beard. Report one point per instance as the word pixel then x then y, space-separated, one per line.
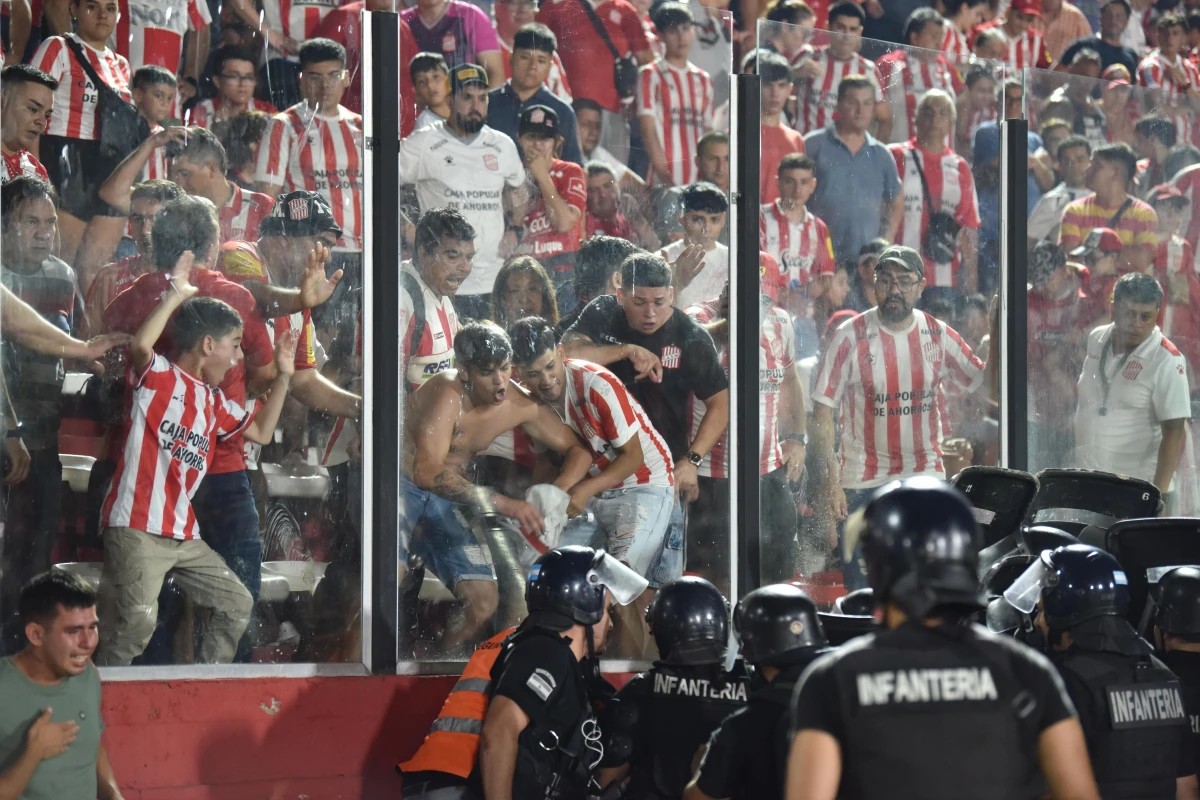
pixel 462 163
pixel 889 365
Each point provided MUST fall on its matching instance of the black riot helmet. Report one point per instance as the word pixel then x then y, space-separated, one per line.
pixel 921 544
pixel 566 586
pixel 1178 611
pixel 778 626
pixel 1074 583
pixel 689 620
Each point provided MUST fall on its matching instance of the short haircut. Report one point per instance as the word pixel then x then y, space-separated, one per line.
pixel 482 344
pixel 671 15
pixel 1119 153
pixel 986 36
pixel 598 258
pixel 645 270
pixel 1137 287
pixel 183 224
pixel 1052 123
pixel 41 597
pixel 797 161
pixel 851 82
pixel 975 301
pixel 917 22
pixel 320 50
pixel 978 72
pixel 531 337
pixel 847 8
pixel 952 7
pixel 21 74
pixel 438 222
pixel 1086 54
pixel 1171 19
pixel 156 191
pixel 201 146
pixel 426 62
pixel 238 135
pixel 201 317
pixel 529 266
pixel 594 168
pixel 1180 158
pixel 585 104
pixel 773 67
pixel 232 53
pixel 1125 4
pixel 20 190
pixel 535 36
pixel 712 137
pixel 152 75
pixel 1158 127
pixel 1193 20
pixel 1072 141
pixel 704 196
pixel 790 12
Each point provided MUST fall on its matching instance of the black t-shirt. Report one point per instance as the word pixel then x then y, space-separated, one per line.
pixel 1186 665
pixel 542 676
pixel 1109 54
pixel 689 359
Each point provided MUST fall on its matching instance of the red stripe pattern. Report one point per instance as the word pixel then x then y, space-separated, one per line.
pixel 804 250
pixel 905 80
pixel 75 100
pixel 819 95
pixel 681 103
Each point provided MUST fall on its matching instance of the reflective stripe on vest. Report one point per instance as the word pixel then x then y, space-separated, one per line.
pixel 453 741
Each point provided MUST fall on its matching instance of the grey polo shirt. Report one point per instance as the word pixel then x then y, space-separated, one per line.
pixel 852 189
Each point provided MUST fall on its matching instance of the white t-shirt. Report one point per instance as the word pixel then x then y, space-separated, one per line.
pixel 468 175
pixel 426 118
pixel 711 280
pixel 1144 390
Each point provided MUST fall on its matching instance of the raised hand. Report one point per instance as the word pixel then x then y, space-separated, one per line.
pixel 315 288
pixel 285 352
pixel 181 274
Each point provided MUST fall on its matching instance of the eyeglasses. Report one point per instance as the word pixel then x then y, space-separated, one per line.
pixel 237 78
pixel 886 282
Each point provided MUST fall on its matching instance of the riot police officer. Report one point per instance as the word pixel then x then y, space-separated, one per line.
pixel 540 738
pixel 933 706
pixel 1129 703
pixel 665 715
pixel 781 635
pixel 1177 637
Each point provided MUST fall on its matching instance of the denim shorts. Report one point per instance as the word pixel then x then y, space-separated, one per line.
pixel 631 524
pixel 450 551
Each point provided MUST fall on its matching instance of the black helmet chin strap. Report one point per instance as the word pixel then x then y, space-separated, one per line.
pixel 593 662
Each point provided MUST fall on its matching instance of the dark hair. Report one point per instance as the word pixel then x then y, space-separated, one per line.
pixel 1137 287
pixel 585 104
pixel 1156 126
pixel 598 258
pixel 482 344
pixel 426 62
pixel 789 12
pixel 852 82
pixel 152 75
pixel 1122 3
pixel 41 597
pixel 1086 54
pixel 1180 158
pixel 183 224
pixel 1193 20
pixel 203 316
pixel 977 72
pixel 19 191
pixel 671 15
pixel 156 191
pixel 20 74
pixel 918 20
pixel 239 133
pixel 535 36
pixel 232 52
pixel 773 67
pixel 873 247
pixel 645 270
pixel 984 35
pixel 797 161
pixel 201 146
pixel 952 7
pixel 704 196
pixel 1171 19
pixel 847 8
pixel 1052 123
pixel 530 266
pixel 438 222
pixel 975 301
pixel 598 168
pixel 531 337
pixel 941 308
pixel 316 51
pixel 712 137
pixel 1072 141
pixel 1119 153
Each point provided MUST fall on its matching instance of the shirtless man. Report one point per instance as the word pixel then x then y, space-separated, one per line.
pixel 453 416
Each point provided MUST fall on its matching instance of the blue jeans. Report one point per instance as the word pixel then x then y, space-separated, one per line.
pixel 669 564
pixel 630 524
pixel 450 551
pixel 228 516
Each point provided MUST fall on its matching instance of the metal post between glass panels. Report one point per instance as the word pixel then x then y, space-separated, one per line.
pixel 1014 274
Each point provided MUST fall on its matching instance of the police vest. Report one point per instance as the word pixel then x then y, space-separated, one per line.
pixel 453 741
pixel 766 775
pixel 679 709
pixel 1186 665
pixel 933 713
pixel 1134 736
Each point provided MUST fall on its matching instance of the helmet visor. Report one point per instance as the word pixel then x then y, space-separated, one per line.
pixel 1024 592
pixel 624 584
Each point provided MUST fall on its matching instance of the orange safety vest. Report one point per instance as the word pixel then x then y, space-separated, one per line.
pixel 453 741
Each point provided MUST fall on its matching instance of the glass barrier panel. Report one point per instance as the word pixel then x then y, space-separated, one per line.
pixel 865 145
pixel 521 201
pixel 215 527
pixel 1114 302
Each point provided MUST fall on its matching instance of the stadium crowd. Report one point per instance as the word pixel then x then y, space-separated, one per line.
pixel 563 314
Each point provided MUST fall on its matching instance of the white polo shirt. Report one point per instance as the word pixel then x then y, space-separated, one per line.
pixel 1144 390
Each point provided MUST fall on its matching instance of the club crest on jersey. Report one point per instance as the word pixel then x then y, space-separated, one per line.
pixel 932 352
pixel 776 348
pixel 490 162
pixel 670 357
pixel 1132 370
pixel 298 209
pixel 449 43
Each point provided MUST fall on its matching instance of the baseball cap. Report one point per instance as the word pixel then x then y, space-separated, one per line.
pixel 1104 240
pixel 300 213
pixel 1116 75
pixel 467 74
pixel 538 120
pixel 1167 191
pixel 901 256
pixel 1031 7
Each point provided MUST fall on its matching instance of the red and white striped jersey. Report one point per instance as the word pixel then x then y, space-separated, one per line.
pixel 1177 316
pixel 435 351
pixel 886 384
pixel 151 33
pixel 21 163
pixel 905 81
pixel 1028 52
pixel 1155 72
pixel 1188 182
pixel 955 46
pixel 297 19
pixel 952 189
pixel 803 249
pixel 242 215
pixel 800 56
pixel 156 166
pixel 556 80
pixel 681 103
pixel 75 100
pixel 604 413
pixel 978 116
pixel 303 150
pixel 204 114
pixel 818 97
pixel 168 446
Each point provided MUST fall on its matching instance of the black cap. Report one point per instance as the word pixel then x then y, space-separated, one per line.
pixel 904 257
pixel 538 120
pixel 300 213
pixel 1179 602
pixel 466 75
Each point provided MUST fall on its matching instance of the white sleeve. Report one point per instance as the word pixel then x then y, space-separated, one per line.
pixel 833 370
pixel 514 168
pixel 1171 397
pixel 412 157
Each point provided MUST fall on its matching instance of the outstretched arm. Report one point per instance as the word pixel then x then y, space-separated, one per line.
pixel 141 350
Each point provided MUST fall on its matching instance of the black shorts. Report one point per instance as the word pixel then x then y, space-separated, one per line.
pixel 77 171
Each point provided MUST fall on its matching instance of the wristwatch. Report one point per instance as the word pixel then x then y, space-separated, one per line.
pixel 802 438
pixel 694 457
